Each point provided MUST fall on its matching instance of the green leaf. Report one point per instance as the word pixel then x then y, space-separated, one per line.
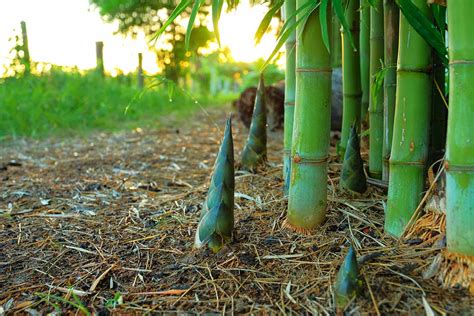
pixel 197 5
pixel 289 27
pixel 424 28
pixel 216 15
pixel 377 83
pixel 323 20
pixel 310 5
pixel 339 10
pixel 439 13
pixel 262 28
pixel 176 12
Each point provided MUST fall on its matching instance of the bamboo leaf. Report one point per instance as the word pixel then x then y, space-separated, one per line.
pixel 439 13
pixel 216 15
pixel 339 10
pixel 290 19
pixel 197 5
pixel 424 28
pixel 377 83
pixel 323 20
pixel 262 28
pixel 289 27
pixel 176 12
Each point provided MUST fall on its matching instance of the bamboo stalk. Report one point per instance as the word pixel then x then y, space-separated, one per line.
pixel 364 44
pixel 391 18
pixel 307 200
pixel 376 102
pixel 336 44
pixel 290 81
pixel 460 140
pixel 411 126
pixel 351 86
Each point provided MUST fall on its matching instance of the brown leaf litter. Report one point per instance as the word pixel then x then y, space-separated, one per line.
pixel 106 224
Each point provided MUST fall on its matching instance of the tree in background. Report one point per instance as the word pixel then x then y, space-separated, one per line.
pixel 135 16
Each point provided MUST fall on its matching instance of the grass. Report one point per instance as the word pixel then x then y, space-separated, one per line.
pixel 67 103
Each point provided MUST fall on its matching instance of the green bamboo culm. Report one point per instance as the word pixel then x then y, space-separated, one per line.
pixel 336 44
pixel 364 47
pixel 460 140
pixel 391 21
pixel 411 126
pixel 376 97
pixel 348 282
pixel 353 176
pixel 217 217
pixel 351 86
pixel 307 199
pixel 290 81
pixel 439 110
pixel 254 153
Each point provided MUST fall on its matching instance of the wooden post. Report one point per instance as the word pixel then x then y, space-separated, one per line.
pixel 26 50
pixel 99 53
pixel 140 71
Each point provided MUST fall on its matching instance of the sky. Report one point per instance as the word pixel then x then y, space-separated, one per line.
pixel 64 32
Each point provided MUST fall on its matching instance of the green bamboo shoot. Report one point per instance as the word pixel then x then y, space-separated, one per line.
pixel 460 140
pixel 254 153
pixel 348 282
pixel 290 80
pixel 217 217
pixel 353 176
pixel 376 97
pixel 391 19
pixel 307 200
pixel 411 126
pixel 351 86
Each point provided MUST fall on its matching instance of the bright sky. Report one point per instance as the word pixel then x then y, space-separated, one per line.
pixel 64 33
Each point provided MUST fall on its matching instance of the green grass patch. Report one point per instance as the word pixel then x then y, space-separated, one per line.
pixel 71 103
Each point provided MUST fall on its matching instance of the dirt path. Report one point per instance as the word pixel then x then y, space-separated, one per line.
pixel 114 216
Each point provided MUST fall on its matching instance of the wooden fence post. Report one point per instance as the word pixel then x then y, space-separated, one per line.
pixel 99 53
pixel 26 50
pixel 141 78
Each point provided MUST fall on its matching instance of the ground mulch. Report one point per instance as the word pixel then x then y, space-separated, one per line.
pixel 106 223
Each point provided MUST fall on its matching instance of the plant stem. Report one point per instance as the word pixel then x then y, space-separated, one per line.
pixel 351 76
pixel 391 18
pixel 411 126
pixel 307 200
pixel 460 140
pixel 290 81
pixel 376 102
pixel 364 43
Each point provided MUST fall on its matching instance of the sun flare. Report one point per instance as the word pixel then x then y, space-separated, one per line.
pixel 66 35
